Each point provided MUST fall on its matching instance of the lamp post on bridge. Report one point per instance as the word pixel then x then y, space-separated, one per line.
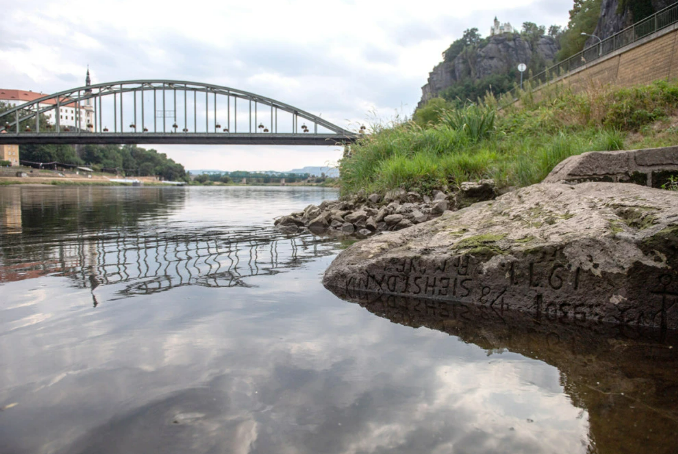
pixel 600 43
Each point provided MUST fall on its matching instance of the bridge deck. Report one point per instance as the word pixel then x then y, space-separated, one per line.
pixel 75 138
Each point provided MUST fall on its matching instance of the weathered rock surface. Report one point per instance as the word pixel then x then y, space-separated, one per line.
pixel 499 56
pixel 600 252
pixel 649 167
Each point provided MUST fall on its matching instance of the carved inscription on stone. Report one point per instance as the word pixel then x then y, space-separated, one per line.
pixel 544 284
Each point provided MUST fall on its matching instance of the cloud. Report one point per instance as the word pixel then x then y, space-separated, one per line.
pixel 245 371
pixel 342 60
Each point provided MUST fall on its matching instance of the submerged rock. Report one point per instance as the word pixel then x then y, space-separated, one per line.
pixel 289 220
pixel 599 252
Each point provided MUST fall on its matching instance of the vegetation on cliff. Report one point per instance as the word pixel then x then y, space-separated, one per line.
pixel 473 65
pixel 445 145
pixel 583 19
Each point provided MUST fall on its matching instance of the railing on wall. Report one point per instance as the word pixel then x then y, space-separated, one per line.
pixel 641 29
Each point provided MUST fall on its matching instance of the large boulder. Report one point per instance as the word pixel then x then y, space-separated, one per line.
pixel 599 252
pixel 650 167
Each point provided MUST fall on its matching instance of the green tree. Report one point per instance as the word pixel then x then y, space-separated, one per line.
pixel 555 30
pixel 533 30
pixel 431 112
pixel 583 19
pixel 38 153
pixel 202 179
pixel 470 38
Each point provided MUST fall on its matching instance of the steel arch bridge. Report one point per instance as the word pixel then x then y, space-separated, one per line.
pixel 165 112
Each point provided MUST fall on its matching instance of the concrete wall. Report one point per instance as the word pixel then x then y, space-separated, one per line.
pixel 652 58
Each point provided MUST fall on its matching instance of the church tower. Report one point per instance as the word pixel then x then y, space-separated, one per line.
pixel 89 110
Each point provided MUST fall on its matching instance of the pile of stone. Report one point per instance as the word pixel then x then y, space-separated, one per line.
pixel 362 216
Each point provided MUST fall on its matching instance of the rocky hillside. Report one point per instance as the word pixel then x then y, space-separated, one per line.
pixel 500 55
pixel 616 15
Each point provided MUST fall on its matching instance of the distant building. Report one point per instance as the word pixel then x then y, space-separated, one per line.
pixel 67 112
pixel 10 153
pixel 499 29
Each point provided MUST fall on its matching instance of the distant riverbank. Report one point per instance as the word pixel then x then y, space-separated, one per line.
pixel 47 181
pixel 62 181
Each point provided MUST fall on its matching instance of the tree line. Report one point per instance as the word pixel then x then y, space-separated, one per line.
pixel 255 177
pixel 127 160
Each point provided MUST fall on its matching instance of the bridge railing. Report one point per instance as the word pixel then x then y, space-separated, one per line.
pixel 640 30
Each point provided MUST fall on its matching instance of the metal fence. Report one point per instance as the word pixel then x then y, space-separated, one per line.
pixel 641 29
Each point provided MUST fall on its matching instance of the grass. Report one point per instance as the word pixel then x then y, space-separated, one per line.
pixel 516 146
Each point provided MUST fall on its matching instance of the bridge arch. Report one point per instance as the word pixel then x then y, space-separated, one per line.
pixel 138 111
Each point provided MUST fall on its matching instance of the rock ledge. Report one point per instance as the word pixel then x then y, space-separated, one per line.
pixel 592 252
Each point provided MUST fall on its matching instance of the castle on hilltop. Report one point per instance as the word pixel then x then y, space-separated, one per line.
pixel 499 29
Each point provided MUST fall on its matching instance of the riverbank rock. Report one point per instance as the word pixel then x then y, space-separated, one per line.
pixel 471 192
pixel 649 167
pixel 601 252
pixel 361 216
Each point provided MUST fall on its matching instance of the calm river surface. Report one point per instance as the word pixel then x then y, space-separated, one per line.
pixel 178 320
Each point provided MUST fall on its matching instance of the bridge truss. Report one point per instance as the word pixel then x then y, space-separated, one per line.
pixel 165 112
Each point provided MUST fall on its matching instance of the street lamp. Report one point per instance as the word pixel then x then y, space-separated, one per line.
pixel 600 43
pixel 521 67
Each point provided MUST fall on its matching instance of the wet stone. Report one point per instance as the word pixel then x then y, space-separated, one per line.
pixel 348 228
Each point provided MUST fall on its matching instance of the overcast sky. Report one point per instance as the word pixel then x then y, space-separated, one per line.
pixel 351 61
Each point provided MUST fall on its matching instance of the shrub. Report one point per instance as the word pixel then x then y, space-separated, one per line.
pixel 431 112
pixel 473 121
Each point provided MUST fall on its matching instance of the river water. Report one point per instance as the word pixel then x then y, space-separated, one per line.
pixel 177 320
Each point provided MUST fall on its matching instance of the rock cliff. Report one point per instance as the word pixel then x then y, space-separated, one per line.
pixel 614 18
pixel 501 54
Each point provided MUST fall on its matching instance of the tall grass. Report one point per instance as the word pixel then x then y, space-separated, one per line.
pixel 516 146
pixel 473 121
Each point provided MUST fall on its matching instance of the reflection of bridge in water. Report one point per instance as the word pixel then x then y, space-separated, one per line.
pixel 144 262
